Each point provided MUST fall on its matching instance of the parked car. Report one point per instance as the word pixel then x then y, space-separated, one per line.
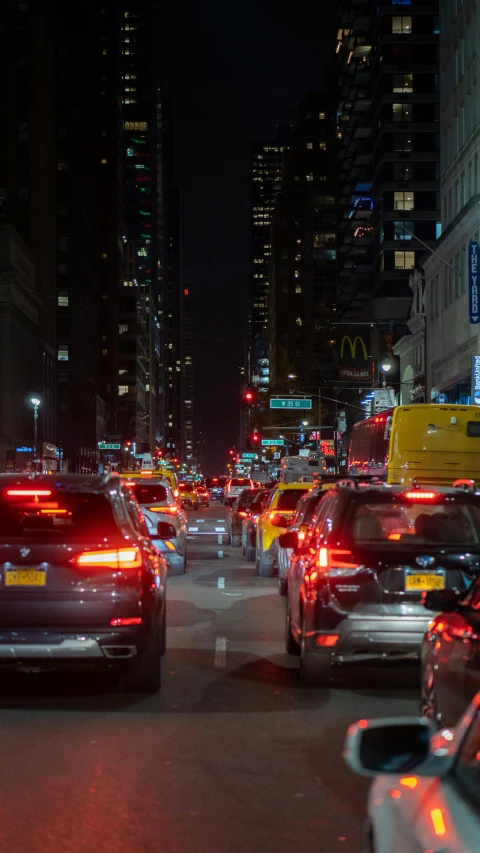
pixel 426 790
pixel 299 523
pixel 158 504
pixel 82 583
pixel 203 496
pixel 272 521
pixel 187 494
pixel 354 589
pixel 234 487
pixel 249 524
pixel 239 512
pixel 450 654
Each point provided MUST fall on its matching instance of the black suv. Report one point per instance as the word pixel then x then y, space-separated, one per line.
pixel 239 512
pixel 81 584
pixel 355 586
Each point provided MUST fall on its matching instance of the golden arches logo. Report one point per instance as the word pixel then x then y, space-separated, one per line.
pixel 353 346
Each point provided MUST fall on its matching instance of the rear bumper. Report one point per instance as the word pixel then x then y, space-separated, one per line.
pixel 49 649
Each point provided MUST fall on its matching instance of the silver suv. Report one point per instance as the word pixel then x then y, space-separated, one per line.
pixel 234 488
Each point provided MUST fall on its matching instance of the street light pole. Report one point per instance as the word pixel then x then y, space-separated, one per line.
pixel 36 403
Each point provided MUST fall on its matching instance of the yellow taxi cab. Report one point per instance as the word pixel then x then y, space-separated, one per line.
pixel 157 474
pixel 280 508
pixel 188 495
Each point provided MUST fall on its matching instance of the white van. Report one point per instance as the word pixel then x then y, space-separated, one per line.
pixel 300 469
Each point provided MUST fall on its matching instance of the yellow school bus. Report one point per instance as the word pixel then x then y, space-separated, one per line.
pixel 434 444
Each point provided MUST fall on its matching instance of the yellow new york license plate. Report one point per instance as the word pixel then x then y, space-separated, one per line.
pixel 25 577
pixel 419 582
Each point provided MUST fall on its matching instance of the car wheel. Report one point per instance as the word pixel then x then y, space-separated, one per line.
pixel 315 667
pixel 250 554
pixel 428 696
pixel 145 673
pixel 236 541
pixel 291 644
pixel 282 586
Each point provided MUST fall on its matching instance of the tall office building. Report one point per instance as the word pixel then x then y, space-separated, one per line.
pixel 388 156
pixel 174 325
pixel 303 268
pixel 266 166
pixel 188 447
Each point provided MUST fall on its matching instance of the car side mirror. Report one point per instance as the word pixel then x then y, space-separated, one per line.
pixel 398 745
pixel 441 600
pixel 289 540
pixel 166 530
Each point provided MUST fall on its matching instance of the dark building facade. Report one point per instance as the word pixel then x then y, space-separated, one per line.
pixel 303 269
pixel 188 448
pixel 266 175
pixel 174 326
pixel 388 148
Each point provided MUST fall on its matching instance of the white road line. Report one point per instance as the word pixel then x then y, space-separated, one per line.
pixel 220 530
pixel 220 520
pixel 200 520
pixel 220 652
pixel 221 583
pixel 192 529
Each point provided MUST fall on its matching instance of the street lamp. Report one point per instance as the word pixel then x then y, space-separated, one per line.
pixel 386 366
pixel 35 403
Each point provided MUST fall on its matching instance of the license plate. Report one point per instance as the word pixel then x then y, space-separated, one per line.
pixel 25 577
pixel 423 582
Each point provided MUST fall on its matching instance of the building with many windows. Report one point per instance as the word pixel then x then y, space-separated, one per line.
pixel 266 166
pixel 303 293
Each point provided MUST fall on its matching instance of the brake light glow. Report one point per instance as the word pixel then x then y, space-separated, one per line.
pixel 30 493
pixel 53 511
pixel 170 510
pixel 176 493
pixel 332 558
pixel 301 535
pixel 327 640
pixel 116 558
pixel 394 537
pixel 409 782
pixel 130 485
pixel 438 823
pixel 124 623
pixel 421 496
pixel 242 513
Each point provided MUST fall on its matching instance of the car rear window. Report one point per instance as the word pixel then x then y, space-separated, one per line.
pixel 186 487
pixel 416 523
pixel 64 515
pixel 288 499
pixel 239 482
pixel 148 494
pixel 247 497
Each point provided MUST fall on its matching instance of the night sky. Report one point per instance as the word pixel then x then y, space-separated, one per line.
pixel 235 71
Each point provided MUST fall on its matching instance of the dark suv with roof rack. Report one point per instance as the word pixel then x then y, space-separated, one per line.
pixel 81 584
pixel 355 586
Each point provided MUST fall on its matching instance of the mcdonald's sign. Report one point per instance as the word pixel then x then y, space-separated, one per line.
pixel 353 346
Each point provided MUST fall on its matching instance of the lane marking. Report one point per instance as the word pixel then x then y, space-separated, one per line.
pixel 220 521
pixel 200 520
pixel 220 652
pixel 220 530
pixel 192 529
pixel 221 583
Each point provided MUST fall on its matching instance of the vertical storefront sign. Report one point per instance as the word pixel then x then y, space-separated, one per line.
pixel 476 380
pixel 474 308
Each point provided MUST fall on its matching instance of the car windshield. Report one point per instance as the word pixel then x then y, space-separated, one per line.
pixel 148 494
pixel 405 523
pixel 288 499
pixel 50 512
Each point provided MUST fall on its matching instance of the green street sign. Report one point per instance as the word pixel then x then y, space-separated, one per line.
pixel 272 442
pixel 290 403
pixel 105 445
pixel 249 455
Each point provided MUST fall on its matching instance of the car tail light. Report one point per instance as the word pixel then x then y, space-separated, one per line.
pixel 125 622
pixel 28 493
pixel 242 514
pixel 334 558
pixel 421 496
pixel 130 485
pixel 176 493
pixel 116 558
pixel 438 822
pixel 171 510
pixel 328 640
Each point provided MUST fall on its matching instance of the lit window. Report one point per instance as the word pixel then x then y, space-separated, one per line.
pixel 62 165
pixel 62 299
pixel 400 232
pixel 104 351
pixel 62 352
pixel 135 125
pixel 104 160
pixel 404 260
pixel 130 152
pixel 403 200
pixel 104 256
pixel 402 112
pixel 438 230
pixel 298 257
pixel 297 273
pixel 323 145
pixel 298 288
pixel 122 328
pixel 401 25
pixel 321 116
pixel 310 146
pixel 403 82
pixel 298 321
pixel 123 389
pixel 104 51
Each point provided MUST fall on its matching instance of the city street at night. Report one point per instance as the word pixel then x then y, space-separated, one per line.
pixel 232 754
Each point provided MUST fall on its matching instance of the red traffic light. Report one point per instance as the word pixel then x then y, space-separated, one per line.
pixel 231 452
pixel 249 396
pixel 128 443
pixel 255 438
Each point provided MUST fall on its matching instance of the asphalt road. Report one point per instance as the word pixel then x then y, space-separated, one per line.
pixel 233 755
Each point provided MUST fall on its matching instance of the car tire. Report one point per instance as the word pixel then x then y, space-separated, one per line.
pixel 250 554
pixel 236 541
pixel 291 645
pixel 315 667
pixel 145 673
pixel 282 586
pixel 429 706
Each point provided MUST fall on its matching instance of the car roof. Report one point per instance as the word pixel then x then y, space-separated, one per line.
pixel 75 482
pixel 281 487
pixel 384 490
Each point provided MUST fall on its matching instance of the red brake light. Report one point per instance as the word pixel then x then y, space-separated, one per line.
pixel 242 513
pixel 124 623
pixel 332 558
pixel 20 493
pixel 171 510
pixel 130 485
pixel 421 496
pixel 115 558
pixel 328 640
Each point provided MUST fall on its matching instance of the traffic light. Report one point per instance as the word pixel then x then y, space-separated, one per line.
pixel 231 452
pixel 250 396
pixel 255 439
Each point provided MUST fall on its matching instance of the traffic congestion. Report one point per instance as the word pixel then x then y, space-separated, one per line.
pixel 363 579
